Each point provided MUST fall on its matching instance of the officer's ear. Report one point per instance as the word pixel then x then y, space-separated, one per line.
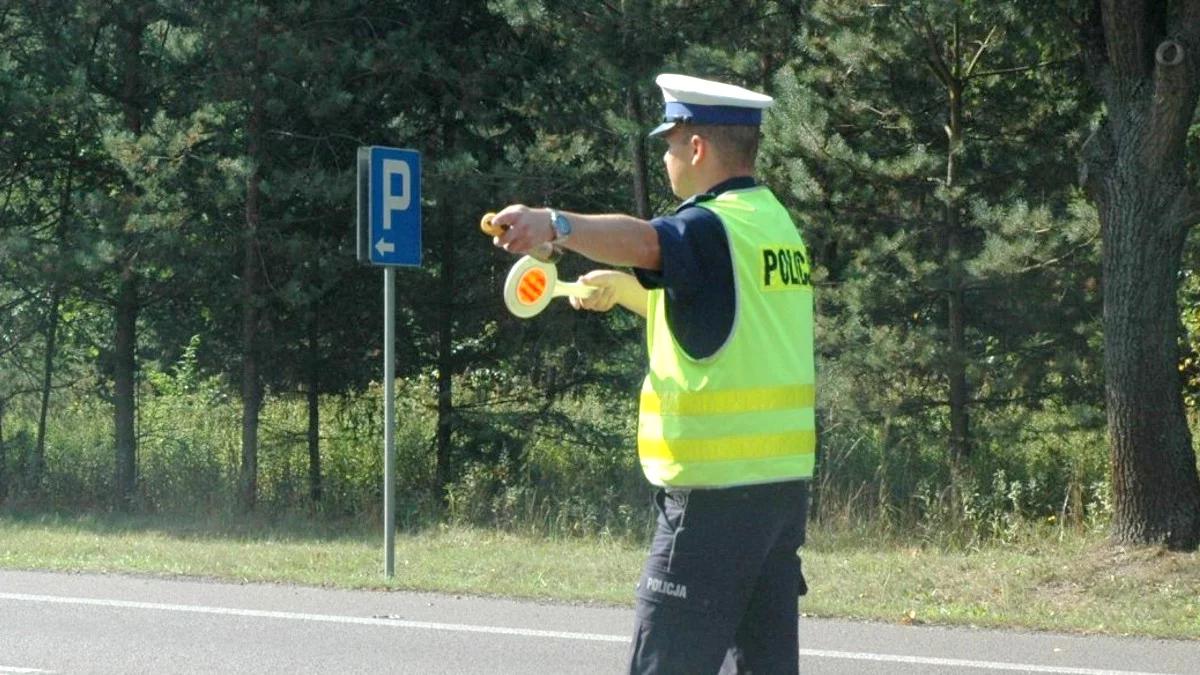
pixel 700 148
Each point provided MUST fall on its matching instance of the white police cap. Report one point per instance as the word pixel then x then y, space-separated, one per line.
pixel 691 99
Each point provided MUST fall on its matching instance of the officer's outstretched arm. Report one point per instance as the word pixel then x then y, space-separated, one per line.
pixel 613 288
pixel 612 239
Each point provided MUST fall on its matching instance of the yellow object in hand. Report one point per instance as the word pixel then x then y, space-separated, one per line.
pixel 489 227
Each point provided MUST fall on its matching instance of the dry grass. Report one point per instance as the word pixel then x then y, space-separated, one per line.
pixel 1080 583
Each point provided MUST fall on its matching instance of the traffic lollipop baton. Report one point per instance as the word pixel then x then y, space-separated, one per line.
pixel 531 285
pixel 533 281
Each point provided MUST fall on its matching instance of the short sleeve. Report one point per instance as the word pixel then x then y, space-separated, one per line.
pixel 697 277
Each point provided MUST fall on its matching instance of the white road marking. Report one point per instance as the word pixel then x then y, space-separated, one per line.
pixel 529 632
pixel 966 663
pixel 325 618
pixel 14 669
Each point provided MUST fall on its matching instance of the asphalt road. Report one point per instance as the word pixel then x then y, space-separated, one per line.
pixel 64 623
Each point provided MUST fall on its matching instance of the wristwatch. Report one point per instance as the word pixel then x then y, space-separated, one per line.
pixel 562 227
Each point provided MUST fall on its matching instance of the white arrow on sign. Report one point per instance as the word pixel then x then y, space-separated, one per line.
pixel 384 246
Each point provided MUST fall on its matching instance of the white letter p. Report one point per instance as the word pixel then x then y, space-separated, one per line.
pixel 393 202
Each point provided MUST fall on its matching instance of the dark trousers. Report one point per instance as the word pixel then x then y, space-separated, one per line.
pixel 718 593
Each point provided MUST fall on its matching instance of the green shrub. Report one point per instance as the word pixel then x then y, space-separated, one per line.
pixel 565 466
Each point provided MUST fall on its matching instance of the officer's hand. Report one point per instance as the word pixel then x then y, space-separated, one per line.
pixel 525 228
pixel 605 296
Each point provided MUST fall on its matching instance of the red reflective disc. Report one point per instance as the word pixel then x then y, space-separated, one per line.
pixel 532 286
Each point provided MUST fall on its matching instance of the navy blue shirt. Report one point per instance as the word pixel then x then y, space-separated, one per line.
pixel 697 272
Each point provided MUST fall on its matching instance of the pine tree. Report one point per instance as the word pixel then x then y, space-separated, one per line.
pixel 954 262
pixel 98 231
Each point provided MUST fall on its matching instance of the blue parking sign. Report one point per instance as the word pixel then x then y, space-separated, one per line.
pixel 389 206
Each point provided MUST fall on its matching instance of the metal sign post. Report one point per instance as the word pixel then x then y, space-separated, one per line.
pixel 389 235
pixel 389 421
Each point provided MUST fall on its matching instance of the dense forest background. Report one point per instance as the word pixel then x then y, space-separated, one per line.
pixel 183 324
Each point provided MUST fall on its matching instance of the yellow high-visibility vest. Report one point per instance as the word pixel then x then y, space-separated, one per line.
pixel 744 415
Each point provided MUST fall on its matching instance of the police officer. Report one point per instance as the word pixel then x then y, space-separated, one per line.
pixel 726 423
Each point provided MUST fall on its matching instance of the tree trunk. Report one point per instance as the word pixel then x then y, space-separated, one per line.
pixel 39 453
pixel 956 365
pixel 635 14
pixel 128 302
pixel 125 385
pixel 251 386
pixel 39 449
pixel 1135 172
pixel 638 155
pixel 314 406
pixel 445 358
pixel 953 73
pixel 1155 488
pixel 3 456
pixel 251 391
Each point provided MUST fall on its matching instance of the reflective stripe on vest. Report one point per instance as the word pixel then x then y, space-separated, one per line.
pixel 746 414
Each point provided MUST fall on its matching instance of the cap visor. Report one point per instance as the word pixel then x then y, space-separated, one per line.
pixel 662 129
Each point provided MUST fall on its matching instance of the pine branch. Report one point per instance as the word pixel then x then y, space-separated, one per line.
pixel 934 56
pixel 986 283
pixel 12 305
pixel 1023 69
pixel 978 53
pixel 18 340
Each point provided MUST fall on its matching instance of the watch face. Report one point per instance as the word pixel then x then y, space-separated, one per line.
pixel 561 224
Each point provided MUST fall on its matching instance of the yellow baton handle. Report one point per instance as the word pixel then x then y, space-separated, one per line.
pixel 490 228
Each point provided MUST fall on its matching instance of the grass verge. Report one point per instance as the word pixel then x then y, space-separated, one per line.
pixel 1042 581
